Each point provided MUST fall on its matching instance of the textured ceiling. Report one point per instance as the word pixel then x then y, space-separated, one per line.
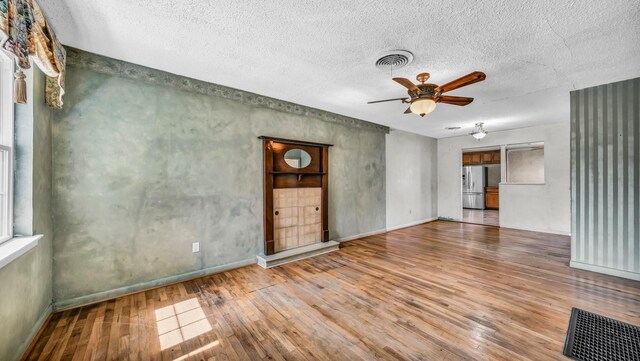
pixel 321 53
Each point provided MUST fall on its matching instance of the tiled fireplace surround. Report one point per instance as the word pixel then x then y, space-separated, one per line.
pixel 297 217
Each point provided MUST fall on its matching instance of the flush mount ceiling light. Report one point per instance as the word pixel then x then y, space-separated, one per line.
pixel 479 132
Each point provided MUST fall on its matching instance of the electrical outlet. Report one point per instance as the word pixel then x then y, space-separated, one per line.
pixel 195 247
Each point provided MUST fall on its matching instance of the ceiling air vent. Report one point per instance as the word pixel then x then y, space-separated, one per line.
pixel 394 59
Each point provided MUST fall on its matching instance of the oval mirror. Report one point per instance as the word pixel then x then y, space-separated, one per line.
pixel 297 158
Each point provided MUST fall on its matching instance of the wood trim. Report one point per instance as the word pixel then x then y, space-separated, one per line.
pixel 277 174
pixel 298 173
pixel 325 194
pixel 269 245
pixel 295 142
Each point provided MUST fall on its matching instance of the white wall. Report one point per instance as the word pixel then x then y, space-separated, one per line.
pixel 544 208
pixel 411 165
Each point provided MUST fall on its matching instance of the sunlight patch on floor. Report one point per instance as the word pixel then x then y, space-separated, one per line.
pixel 180 322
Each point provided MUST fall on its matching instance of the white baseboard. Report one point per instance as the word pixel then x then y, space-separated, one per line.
pixel 20 350
pixel 297 254
pixel 605 270
pixel 105 295
pixel 361 235
pixel 531 229
pixel 385 230
pixel 411 224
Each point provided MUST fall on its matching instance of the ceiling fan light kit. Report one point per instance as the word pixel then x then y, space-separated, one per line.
pixel 424 96
pixel 422 106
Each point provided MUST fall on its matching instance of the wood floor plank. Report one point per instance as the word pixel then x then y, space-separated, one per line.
pixel 437 291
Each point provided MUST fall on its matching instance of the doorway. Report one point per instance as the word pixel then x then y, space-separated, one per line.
pixel 481 176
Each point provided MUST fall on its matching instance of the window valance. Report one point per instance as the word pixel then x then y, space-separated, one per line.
pixel 25 33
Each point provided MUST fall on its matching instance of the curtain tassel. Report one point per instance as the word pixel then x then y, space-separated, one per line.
pixel 20 88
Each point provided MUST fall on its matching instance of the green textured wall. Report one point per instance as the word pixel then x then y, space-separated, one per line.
pixel 26 283
pixel 145 167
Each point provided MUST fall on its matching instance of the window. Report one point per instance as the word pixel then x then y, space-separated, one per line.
pixel 6 147
pixel 525 163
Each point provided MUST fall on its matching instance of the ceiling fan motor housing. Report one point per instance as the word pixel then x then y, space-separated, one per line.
pixel 426 91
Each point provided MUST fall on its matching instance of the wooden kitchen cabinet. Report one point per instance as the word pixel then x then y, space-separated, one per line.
pixel 492 198
pixel 495 158
pixel 474 158
pixel 478 158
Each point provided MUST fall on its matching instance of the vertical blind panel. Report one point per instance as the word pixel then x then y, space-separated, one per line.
pixel 605 175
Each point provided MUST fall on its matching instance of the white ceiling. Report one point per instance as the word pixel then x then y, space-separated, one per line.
pixel 321 53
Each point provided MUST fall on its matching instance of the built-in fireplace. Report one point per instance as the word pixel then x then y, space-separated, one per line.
pixel 296 196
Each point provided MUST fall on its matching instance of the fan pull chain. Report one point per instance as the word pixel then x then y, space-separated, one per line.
pixel 393 61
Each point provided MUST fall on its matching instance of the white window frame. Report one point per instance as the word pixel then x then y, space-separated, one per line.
pixel 7 137
pixel 525 147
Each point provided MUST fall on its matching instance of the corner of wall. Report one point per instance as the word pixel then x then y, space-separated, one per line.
pixel 411 179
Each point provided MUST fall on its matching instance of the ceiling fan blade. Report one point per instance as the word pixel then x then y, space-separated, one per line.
pixel 468 79
pixel 407 84
pixel 454 100
pixel 408 111
pixel 388 100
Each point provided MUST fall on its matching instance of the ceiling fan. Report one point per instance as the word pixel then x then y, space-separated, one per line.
pixel 424 96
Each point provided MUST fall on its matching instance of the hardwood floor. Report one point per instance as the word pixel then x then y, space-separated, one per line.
pixel 438 291
pixel 489 217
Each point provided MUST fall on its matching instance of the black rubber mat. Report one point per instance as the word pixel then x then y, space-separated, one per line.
pixel 592 337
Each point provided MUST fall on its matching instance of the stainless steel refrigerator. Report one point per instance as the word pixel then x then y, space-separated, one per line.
pixel 473 182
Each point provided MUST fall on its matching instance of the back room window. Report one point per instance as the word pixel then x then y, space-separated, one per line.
pixel 525 163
